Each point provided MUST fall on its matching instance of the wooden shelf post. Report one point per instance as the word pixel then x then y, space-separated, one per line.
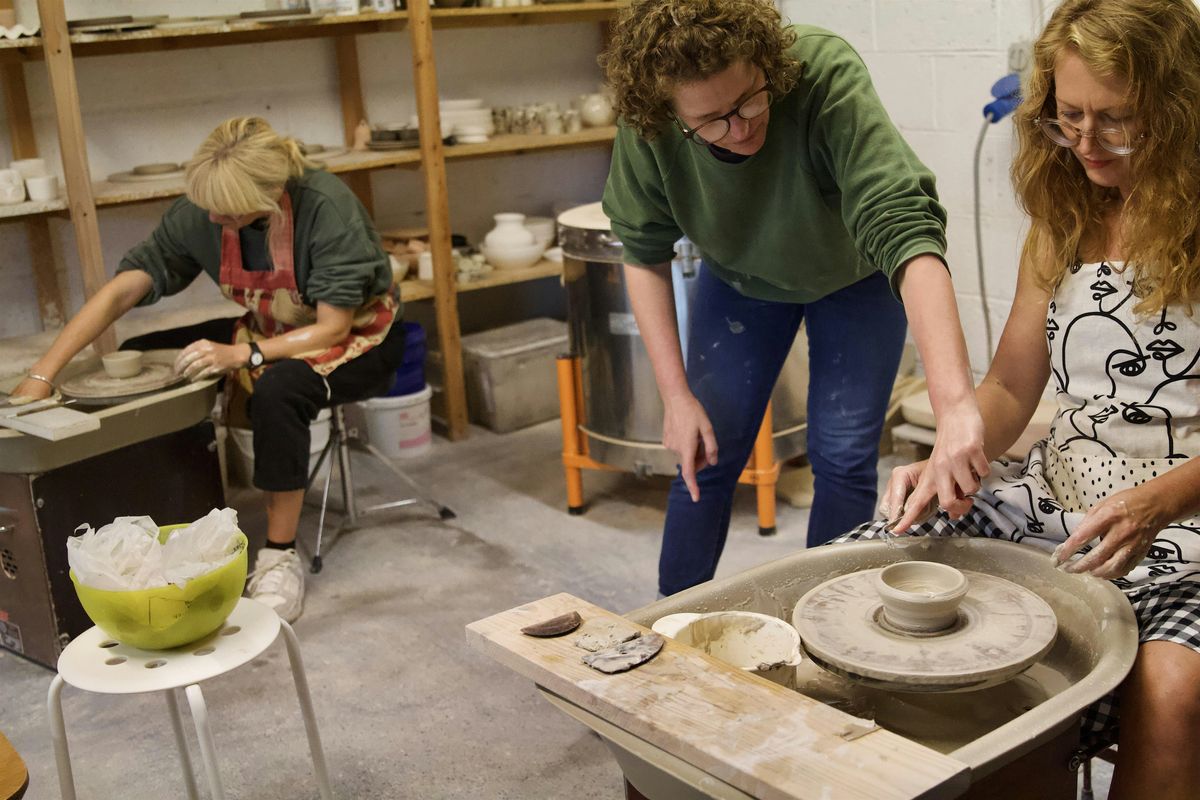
pixel 52 306
pixel 60 65
pixel 437 207
pixel 353 110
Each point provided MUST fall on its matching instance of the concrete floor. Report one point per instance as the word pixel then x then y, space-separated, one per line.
pixel 406 710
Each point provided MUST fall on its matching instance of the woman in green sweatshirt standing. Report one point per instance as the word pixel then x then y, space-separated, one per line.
pixel 767 146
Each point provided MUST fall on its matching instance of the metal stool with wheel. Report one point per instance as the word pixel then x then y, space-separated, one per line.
pixel 95 663
pixel 341 439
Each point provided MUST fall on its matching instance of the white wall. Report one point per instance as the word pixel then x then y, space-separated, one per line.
pixel 158 106
pixel 933 63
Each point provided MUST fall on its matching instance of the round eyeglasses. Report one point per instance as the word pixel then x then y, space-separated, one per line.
pixel 1117 141
pixel 717 129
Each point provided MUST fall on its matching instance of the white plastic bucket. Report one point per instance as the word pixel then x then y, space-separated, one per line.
pixel 399 426
pixel 240 456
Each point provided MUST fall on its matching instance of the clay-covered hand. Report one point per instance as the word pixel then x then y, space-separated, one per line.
pixel 954 468
pixel 206 359
pixel 1126 523
pixel 29 390
pixel 901 485
pixel 689 433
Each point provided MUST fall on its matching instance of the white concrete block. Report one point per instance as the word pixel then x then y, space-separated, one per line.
pixel 853 20
pixel 935 25
pixel 963 84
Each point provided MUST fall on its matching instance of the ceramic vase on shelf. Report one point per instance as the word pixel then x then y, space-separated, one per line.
pixel 510 231
pixel 596 110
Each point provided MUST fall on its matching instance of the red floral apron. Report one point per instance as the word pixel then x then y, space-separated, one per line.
pixel 274 306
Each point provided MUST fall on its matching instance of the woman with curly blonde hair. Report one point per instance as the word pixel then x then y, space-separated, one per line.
pixel 291 244
pixel 1107 169
pixel 767 146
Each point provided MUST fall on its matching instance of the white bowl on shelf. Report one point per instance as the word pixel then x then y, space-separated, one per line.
pixel 460 105
pixel 542 228
pixel 515 257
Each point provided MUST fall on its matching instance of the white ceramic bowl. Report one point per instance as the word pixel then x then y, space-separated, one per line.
pixel 542 228
pixel 459 105
pixel 122 364
pixel 514 257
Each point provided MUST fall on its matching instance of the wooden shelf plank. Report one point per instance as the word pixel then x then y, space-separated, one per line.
pixel 544 14
pixel 219 32
pixel 423 290
pixel 110 193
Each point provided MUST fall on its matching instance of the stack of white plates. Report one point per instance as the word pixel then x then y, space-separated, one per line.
pixel 465 113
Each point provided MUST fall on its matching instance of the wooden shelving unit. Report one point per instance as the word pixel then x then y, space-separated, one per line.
pixel 57 48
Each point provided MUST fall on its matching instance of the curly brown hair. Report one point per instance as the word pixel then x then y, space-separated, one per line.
pixel 658 45
pixel 1154 45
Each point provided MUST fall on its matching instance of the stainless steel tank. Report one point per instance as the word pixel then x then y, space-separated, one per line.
pixel 623 413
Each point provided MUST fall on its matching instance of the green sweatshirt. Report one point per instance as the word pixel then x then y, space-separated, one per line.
pixel 833 194
pixel 338 257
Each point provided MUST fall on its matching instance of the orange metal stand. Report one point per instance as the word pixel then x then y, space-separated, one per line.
pixel 762 472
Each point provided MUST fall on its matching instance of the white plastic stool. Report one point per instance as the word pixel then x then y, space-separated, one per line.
pixel 95 663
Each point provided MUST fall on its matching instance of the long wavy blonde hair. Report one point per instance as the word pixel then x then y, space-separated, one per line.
pixel 242 166
pixel 658 45
pixel 1154 45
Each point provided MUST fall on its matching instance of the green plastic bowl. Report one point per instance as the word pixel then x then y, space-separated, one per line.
pixel 167 616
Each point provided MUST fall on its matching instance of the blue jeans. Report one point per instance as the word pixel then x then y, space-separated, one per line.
pixel 736 348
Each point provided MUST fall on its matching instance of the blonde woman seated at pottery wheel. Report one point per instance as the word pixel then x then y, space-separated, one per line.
pixel 1108 284
pixel 295 247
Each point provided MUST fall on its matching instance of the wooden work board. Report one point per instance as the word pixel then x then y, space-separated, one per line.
pixel 764 739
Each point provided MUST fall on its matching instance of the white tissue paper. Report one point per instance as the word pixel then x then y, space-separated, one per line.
pixel 125 554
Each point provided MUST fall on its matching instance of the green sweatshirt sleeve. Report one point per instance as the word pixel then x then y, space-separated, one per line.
pixel 164 256
pixel 888 197
pixel 347 264
pixel 636 203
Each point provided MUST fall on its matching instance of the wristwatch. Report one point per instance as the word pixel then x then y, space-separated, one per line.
pixel 257 359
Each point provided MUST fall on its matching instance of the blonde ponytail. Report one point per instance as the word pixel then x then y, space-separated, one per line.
pixel 242 166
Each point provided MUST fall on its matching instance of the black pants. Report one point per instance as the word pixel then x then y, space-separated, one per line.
pixel 289 394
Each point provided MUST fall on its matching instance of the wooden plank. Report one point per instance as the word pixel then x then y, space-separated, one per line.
pixel 51 295
pixel 437 210
pixel 61 66
pixel 53 424
pixel 548 14
pixel 353 112
pixel 768 741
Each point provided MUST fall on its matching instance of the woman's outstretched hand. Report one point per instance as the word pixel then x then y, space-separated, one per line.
pixel 689 433
pixel 952 473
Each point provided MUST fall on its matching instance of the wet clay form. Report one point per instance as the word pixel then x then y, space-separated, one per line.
pixel 758 643
pixel 157 372
pixel 924 627
pixel 556 626
pixel 626 655
pixel 603 635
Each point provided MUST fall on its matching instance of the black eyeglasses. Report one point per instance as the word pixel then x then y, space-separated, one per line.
pixel 717 129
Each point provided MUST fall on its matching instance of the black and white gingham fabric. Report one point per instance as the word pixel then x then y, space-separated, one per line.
pixel 1167 612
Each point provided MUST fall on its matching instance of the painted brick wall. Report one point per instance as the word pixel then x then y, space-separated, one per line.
pixel 933 63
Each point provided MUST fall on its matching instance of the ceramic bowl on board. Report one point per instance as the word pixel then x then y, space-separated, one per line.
pixel 160 168
pixel 514 256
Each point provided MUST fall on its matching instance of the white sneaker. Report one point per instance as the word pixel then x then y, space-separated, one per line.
pixel 278 581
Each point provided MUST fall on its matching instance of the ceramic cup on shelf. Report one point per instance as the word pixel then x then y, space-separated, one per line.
pixel 554 122
pixel 425 266
pixel 42 188
pixel 572 123
pixel 29 167
pixel 12 187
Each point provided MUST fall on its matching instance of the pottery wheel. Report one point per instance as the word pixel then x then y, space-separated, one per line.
pixel 1002 629
pixel 158 372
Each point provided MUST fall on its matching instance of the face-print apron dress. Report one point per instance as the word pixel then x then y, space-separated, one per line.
pixel 1128 392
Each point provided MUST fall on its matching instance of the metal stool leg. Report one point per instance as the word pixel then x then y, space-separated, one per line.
pixel 343 453
pixel 189 775
pixel 443 511
pixel 334 434
pixel 1086 792
pixel 208 751
pixel 306 709
pixel 58 732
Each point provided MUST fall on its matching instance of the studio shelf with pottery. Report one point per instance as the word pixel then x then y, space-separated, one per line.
pixel 58 44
